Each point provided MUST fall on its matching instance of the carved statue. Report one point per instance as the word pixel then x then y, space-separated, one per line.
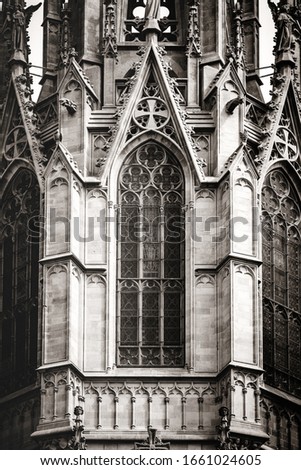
pixel 19 29
pixel 285 27
pixel 284 22
pixel 152 10
pixel 21 19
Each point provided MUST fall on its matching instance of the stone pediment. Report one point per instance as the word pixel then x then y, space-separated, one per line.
pixel 152 103
pixel 21 145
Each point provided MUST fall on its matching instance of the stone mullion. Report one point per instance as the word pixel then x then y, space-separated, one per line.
pixel 245 391
pixel 273 249
pixel 274 343
pixel 140 276
pixel 288 345
pixel 184 402
pixel 43 402
pixel 55 392
pixel 150 401
pixel 118 318
pixel 99 404
pixel 161 322
pixel 200 402
pixel 68 400
pixel 116 409
pixel 140 320
pixel 232 394
pixel 166 400
pixel 257 405
pixel 133 412
pixel 74 398
pixel 162 276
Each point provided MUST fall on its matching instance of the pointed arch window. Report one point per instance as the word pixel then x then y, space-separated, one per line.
pixel 281 282
pixel 151 260
pixel 20 255
pixel 281 241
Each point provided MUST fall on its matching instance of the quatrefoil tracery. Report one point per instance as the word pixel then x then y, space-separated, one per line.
pixel 286 144
pixel 151 113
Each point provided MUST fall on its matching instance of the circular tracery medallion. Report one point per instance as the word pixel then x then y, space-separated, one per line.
pixel 15 143
pixel 286 143
pixel 151 113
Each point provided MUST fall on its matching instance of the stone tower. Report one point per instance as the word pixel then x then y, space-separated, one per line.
pixel 150 237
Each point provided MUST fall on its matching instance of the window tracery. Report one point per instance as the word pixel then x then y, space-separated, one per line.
pixel 281 283
pixel 20 255
pixel 135 21
pixel 281 241
pixel 151 260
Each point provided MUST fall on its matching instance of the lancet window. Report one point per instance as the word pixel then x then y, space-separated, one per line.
pixel 281 282
pixel 151 260
pixel 20 255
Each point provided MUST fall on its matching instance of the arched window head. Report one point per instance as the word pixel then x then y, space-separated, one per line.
pixel 151 260
pixel 20 255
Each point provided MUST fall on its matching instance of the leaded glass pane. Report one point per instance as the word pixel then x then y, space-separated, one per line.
pixel 129 318
pixel 281 283
pixel 295 348
pixel 268 349
pixel 281 341
pixel 172 260
pixel 150 318
pixel 280 259
pixel 7 275
pixel 151 250
pixel 19 218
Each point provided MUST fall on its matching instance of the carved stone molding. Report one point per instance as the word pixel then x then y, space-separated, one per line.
pixel 31 124
pixel 164 396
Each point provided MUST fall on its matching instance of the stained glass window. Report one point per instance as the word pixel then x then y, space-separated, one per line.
pixel 281 244
pixel 151 260
pixel 20 255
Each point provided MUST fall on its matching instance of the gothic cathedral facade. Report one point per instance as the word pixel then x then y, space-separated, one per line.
pixel 150 228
